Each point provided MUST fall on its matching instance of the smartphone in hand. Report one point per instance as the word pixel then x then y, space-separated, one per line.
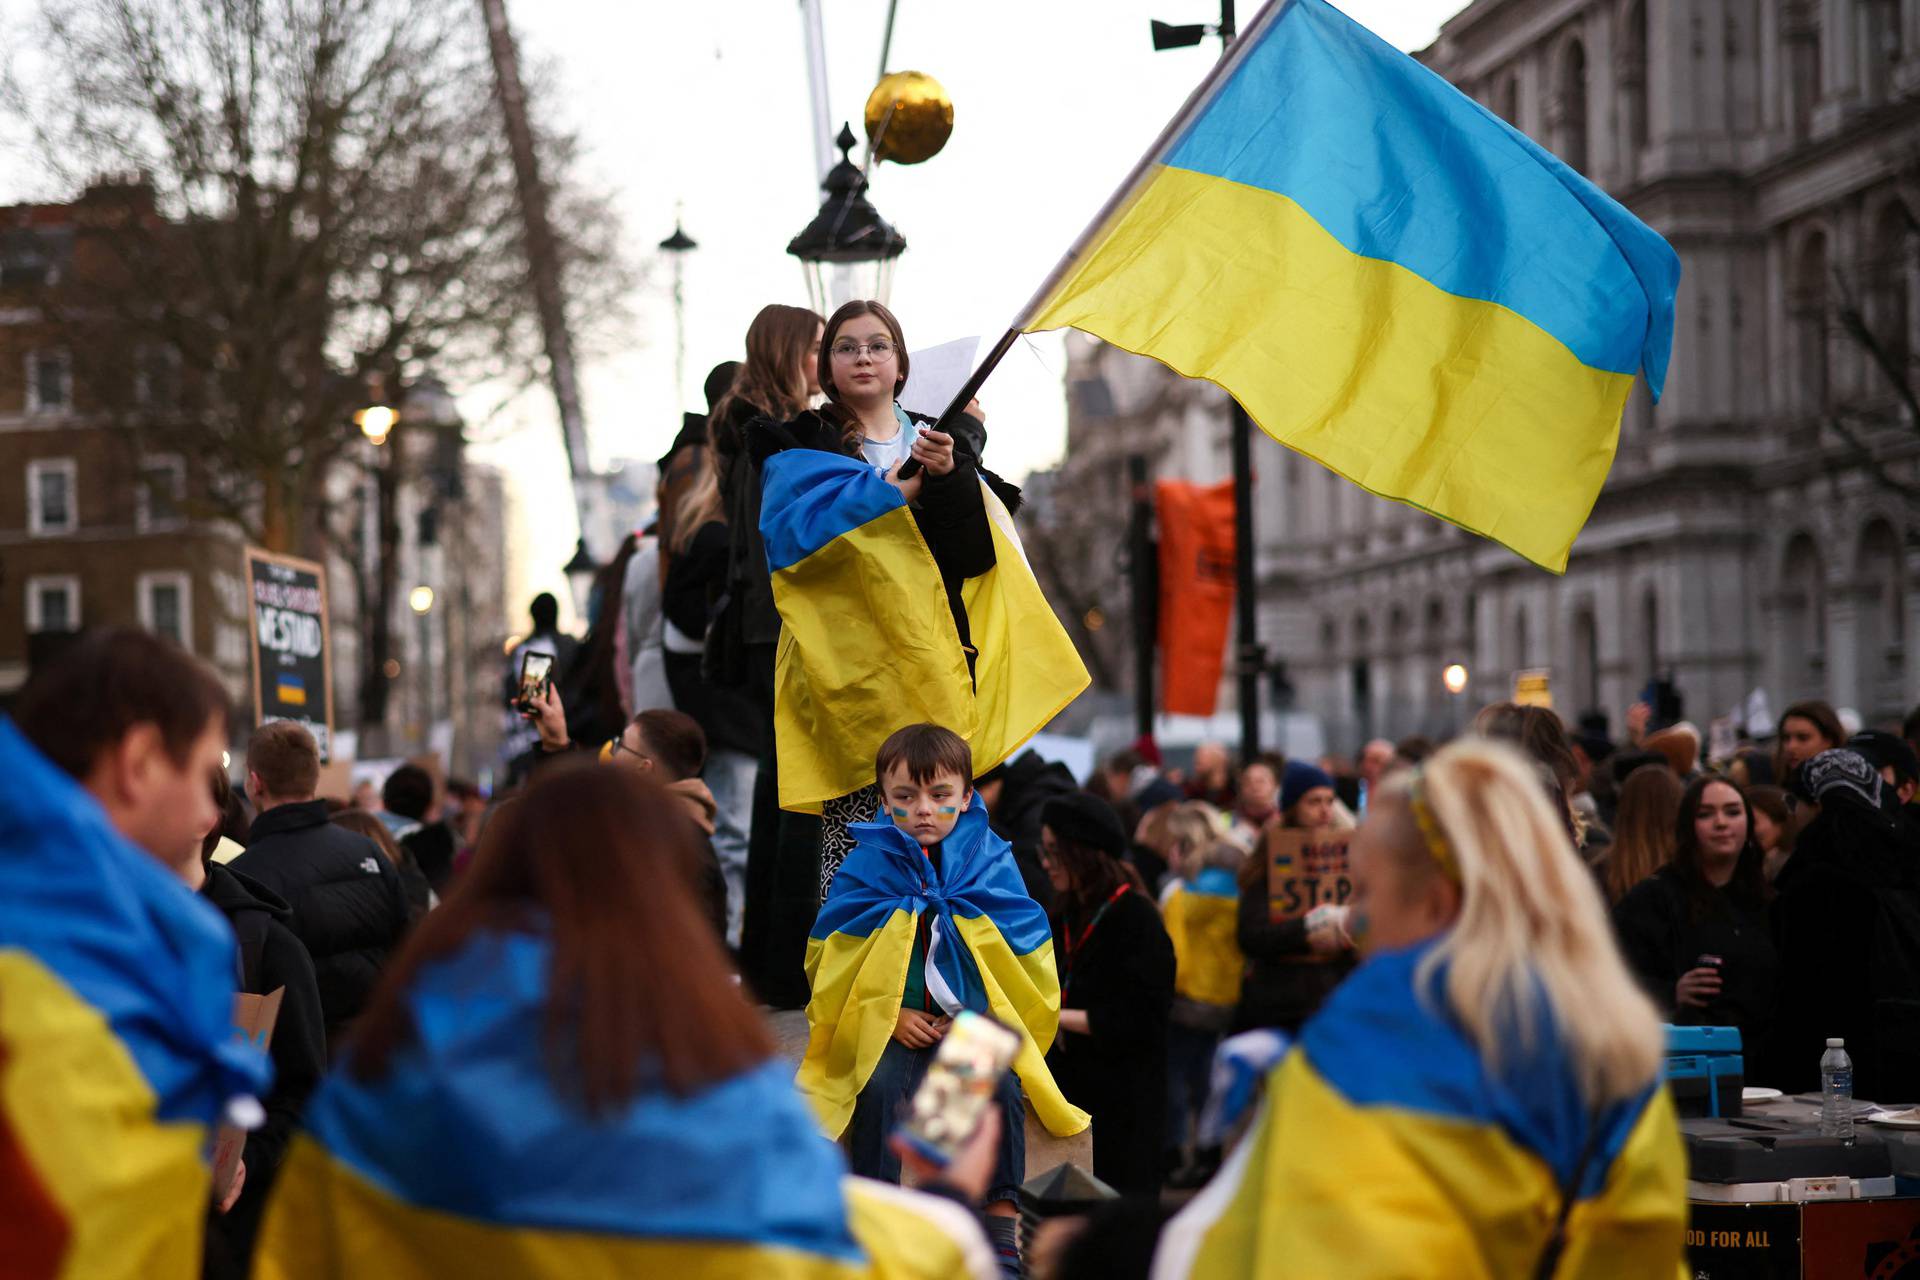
pixel 959 1087
pixel 536 672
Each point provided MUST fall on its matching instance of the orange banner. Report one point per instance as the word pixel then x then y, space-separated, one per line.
pixel 1196 592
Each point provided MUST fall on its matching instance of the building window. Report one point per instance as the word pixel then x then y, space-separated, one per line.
pixel 53 603
pixel 162 488
pixel 51 501
pixel 49 382
pixel 166 606
pixel 1571 105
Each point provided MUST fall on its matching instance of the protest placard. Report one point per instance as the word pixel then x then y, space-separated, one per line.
pixel 292 676
pixel 1306 869
pixel 253 1019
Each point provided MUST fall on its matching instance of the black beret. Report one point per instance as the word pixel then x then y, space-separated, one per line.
pixel 1085 819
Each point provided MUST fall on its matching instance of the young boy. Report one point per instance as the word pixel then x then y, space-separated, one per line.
pixel 928 916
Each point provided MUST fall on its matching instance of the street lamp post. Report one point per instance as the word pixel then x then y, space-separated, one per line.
pixel 1250 656
pixel 847 232
pixel 580 572
pixel 420 600
pixel 678 246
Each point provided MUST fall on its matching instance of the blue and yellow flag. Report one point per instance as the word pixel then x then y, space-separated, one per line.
pixel 991 951
pixel 116 1049
pixel 868 644
pixel 1390 278
pixel 1387 1147
pixel 463 1159
pixel 1203 921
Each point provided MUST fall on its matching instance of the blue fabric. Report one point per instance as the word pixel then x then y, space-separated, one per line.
pixel 1380 1043
pixel 884 453
pixel 1397 164
pixel 128 938
pixel 1215 882
pixel 467 1120
pixel 809 497
pixel 884 1103
pixel 887 871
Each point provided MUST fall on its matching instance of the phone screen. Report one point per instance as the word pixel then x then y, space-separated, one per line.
pixel 535 668
pixel 959 1086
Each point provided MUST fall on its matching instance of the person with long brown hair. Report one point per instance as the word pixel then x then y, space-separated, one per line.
pixel 1696 932
pixel 1116 971
pixel 558 1076
pixel 1805 730
pixel 776 384
pixel 1643 838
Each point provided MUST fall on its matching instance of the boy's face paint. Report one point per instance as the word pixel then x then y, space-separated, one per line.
pixel 927 809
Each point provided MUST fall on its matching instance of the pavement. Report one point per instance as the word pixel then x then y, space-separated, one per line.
pixel 1044 1151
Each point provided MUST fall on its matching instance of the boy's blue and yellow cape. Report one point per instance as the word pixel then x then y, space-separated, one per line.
pixel 868 643
pixel 992 952
pixel 465 1159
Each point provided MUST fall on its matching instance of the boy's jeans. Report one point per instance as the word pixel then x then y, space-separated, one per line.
pixel 886 1100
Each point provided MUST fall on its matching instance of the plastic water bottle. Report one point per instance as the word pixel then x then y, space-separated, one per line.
pixel 1836 1092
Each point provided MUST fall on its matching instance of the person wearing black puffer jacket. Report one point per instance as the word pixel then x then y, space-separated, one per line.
pixel 347 904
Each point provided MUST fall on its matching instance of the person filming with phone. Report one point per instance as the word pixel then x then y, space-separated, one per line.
pixel 929 891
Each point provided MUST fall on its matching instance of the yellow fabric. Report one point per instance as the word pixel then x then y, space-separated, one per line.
pixel 1027 670
pixel 867 646
pixel 1358 363
pixel 1331 1189
pixel 134 1189
pixel 327 1223
pixel 858 983
pixel 1024 992
pixel 1205 929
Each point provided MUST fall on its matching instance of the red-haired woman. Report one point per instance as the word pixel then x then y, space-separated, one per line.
pixel 558 1077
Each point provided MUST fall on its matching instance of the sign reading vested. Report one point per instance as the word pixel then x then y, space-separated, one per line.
pixel 1306 869
pixel 290 643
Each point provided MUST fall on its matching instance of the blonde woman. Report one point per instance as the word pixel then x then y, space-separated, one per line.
pixel 1481 1098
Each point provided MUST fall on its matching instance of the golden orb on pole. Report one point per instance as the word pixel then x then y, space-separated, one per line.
pixel 909 118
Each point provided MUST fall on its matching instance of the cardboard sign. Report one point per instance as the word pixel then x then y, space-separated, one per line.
pixel 1306 869
pixel 291 643
pixel 1533 688
pixel 253 1019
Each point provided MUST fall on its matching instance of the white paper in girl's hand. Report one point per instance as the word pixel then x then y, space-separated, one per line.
pixel 936 375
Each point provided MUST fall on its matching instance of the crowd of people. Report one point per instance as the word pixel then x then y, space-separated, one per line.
pixel 528 1033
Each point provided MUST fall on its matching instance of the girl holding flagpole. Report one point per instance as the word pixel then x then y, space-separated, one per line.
pixel 863 365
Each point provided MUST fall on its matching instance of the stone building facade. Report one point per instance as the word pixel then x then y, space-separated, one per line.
pixel 1754 532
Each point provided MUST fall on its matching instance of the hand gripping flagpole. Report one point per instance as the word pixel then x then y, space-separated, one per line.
pixel 1197 100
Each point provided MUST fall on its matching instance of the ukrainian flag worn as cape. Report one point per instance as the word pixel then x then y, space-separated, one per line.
pixel 991 952
pixel 116 1040
pixel 1387 1148
pixel 463 1160
pixel 1203 922
pixel 868 643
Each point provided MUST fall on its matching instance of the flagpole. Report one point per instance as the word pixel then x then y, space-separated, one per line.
pixel 1201 95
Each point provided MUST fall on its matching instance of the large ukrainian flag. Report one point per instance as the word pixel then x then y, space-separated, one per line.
pixel 991 952
pixel 1390 278
pixel 868 644
pixel 1386 1146
pixel 116 1040
pixel 464 1160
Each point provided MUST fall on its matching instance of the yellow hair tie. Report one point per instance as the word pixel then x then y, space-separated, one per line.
pixel 1430 829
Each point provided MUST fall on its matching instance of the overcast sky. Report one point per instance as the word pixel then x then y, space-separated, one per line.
pixel 704 107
